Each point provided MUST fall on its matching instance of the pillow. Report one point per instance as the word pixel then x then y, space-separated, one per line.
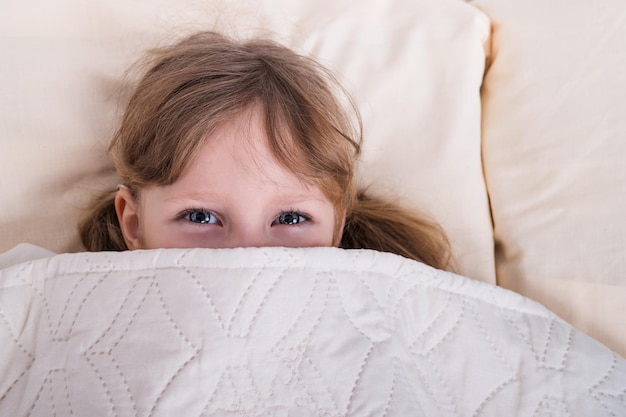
pixel 554 100
pixel 414 67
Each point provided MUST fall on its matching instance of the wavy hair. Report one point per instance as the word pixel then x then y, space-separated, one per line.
pixel 191 88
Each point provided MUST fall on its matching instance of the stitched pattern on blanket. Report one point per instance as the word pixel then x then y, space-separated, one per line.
pixel 286 332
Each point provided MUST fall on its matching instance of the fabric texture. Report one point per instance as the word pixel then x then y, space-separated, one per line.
pixel 286 332
pixel 22 253
pixel 554 142
pixel 414 66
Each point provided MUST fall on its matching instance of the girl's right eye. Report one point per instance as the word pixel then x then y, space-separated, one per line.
pixel 199 216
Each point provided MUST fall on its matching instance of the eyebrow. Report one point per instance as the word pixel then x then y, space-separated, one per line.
pixel 193 196
pixel 205 196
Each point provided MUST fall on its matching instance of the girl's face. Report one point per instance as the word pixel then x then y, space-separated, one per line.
pixel 234 194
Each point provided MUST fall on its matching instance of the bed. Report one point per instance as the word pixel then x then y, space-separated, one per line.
pixel 504 119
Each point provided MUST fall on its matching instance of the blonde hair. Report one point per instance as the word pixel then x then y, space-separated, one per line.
pixel 194 86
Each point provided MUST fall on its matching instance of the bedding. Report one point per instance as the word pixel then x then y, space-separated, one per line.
pixel 62 84
pixel 504 119
pixel 286 332
pixel 554 146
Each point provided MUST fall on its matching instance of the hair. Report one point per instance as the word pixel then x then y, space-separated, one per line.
pixel 194 86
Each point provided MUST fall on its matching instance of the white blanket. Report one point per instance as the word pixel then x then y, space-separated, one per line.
pixel 286 332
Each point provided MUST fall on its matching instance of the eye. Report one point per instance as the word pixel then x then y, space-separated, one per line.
pixel 199 216
pixel 290 218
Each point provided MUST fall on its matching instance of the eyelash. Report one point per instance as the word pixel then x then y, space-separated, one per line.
pixel 296 213
pixel 184 215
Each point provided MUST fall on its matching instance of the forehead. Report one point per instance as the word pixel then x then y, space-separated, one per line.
pixel 237 156
pixel 242 143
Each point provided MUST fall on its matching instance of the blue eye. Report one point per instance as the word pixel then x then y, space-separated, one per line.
pixel 199 216
pixel 290 218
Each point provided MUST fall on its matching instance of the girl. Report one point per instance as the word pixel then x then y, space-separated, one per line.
pixel 231 144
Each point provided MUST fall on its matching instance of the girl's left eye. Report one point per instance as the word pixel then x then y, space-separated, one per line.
pixel 291 218
pixel 199 216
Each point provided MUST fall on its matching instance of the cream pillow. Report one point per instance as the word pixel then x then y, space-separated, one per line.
pixel 414 66
pixel 554 101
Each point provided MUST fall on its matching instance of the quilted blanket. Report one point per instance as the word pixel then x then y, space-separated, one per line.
pixel 286 332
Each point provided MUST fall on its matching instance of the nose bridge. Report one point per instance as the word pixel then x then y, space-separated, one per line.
pixel 249 233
